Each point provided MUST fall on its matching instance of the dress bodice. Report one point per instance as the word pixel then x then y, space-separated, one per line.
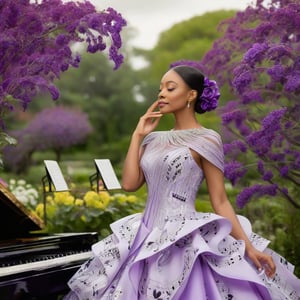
pixel 172 175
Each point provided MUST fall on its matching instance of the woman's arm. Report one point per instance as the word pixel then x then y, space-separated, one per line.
pixel 133 177
pixel 222 206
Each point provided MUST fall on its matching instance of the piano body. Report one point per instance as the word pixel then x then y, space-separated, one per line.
pixel 36 266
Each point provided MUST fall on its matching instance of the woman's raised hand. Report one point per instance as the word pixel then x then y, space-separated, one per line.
pixel 149 120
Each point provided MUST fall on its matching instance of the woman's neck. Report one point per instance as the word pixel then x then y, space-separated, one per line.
pixel 186 123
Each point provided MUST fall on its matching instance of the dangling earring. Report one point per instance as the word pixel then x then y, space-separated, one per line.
pixel 188 104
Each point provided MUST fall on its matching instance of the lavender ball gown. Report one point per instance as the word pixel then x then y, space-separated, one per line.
pixel 171 251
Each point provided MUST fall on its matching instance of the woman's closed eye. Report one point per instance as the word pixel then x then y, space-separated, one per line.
pixel 168 89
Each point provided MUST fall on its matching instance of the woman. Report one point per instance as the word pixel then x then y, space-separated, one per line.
pixel 171 251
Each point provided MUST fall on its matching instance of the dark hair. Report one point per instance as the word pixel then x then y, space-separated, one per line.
pixel 195 80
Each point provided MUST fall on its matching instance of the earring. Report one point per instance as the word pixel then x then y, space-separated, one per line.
pixel 188 104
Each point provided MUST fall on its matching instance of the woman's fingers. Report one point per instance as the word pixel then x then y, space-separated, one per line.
pixel 263 261
pixel 153 106
pixel 150 119
pixel 151 113
pixel 256 262
pixel 269 266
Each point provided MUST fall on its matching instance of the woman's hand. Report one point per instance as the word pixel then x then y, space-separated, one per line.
pixel 133 177
pixel 262 261
pixel 149 120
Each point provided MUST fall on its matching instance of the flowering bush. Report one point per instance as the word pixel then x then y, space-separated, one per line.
pixel 36 44
pixel 36 47
pixel 92 212
pixel 258 58
pixel 24 192
pixel 65 212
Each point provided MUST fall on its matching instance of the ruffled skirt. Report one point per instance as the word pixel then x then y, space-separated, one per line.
pixel 192 257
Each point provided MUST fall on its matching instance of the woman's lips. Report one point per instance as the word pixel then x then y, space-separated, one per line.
pixel 162 103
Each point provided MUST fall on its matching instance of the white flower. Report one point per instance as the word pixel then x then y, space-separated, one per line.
pixel 12 182
pixel 24 192
pixel 21 182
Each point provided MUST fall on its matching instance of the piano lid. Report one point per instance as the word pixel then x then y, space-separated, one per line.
pixel 16 220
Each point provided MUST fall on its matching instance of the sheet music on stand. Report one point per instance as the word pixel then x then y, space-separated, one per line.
pixel 55 176
pixel 107 173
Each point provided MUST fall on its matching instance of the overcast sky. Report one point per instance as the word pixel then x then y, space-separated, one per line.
pixel 152 17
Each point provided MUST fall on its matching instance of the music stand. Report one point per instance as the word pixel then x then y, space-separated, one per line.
pixel 105 173
pixel 54 179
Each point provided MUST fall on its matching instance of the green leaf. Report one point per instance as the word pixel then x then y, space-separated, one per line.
pixel 6 139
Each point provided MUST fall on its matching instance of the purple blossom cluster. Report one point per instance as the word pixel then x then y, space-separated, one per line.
pixel 37 39
pixel 259 59
pixel 235 147
pixel 262 141
pixel 257 190
pixel 210 96
pixel 232 114
pixel 234 170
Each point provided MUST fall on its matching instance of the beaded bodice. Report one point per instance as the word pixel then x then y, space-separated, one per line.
pixel 172 175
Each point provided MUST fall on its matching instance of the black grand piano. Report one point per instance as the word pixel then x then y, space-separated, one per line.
pixel 36 266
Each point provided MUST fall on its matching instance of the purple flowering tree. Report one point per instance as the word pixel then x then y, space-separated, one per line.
pixel 55 129
pixel 259 58
pixel 58 128
pixel 36 39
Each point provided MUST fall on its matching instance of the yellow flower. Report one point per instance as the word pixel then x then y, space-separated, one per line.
pixel 99 205
pixel 49 200
pixel 91 199
pixel 83 218
pixel 69 200
pixel 59 197
pixel 121 198
pixel 79 202
pixel 47 189
pixel 40 210
pixel 104 197
pixel 90 195
pixel 132 198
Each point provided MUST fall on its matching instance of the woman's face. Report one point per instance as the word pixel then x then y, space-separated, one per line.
pixel 174 93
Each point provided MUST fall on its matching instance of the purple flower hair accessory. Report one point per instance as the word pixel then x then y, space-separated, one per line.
pixel 210 96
